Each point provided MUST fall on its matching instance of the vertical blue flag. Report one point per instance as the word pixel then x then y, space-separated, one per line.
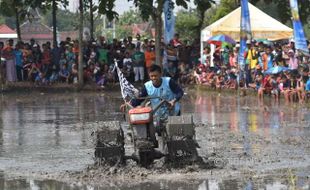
pixel 299 36
pixel 169 20
pixel 245 30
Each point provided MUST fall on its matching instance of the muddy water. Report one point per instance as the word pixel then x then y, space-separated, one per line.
pixel 265 144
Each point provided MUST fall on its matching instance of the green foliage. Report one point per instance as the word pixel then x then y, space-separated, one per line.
pixel 203 5
pixel 224 8
pixel 130 17
pixel 66 20
pixel 106 7
pixel 123 31
pixel 186 24
pixel 2 20
pixel 283 9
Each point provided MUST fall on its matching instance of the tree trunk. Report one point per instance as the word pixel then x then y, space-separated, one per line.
pixel 81 79
pixel 1 73
pixel 54 23
pixel 91 19
pixel 17 24
pixel 158 35
pixel 199 26
pixel 158 30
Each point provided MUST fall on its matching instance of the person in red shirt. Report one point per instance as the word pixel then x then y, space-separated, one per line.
pixel 46 58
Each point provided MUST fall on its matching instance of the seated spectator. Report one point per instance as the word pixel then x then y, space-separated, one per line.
pixel 183 73
pixel 40 78
pixel 100 77
pixel 219 80
pixel 265 88
pixel 308 88
pixel 74 73
pixel 33 70
pixel 171 71
pixel 285 87
pixel 54 76
pixel 203 78
pixel 275 87
pixel 64 74
pixel 293 89
pixel 110 70
pixel 231 81
pixel 300 88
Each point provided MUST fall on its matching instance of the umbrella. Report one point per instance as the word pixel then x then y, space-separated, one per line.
pixel 276 70
pixel 219 39
pixel 264 41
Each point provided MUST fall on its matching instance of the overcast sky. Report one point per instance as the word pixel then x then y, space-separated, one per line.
pixel 120 5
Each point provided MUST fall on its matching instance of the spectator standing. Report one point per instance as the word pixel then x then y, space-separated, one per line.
pixel 103 54
pixel 149 57
pixel 19 61
pixel 138 60
pixel 55 57
pixel 8 54
pixel 46 59
pixel 293 61
pixel 185 52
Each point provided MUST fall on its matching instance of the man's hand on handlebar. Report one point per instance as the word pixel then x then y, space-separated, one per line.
pixel 124 105
pixel 172 103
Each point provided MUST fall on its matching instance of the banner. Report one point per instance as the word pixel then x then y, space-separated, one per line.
pixel 245 30
pixel 128 90
pixel 299 36
pixel 169 21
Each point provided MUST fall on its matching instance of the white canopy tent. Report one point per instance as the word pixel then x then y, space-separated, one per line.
pixel 263 26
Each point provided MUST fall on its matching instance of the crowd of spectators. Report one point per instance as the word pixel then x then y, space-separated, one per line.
pixel 257 71
pixel 45 65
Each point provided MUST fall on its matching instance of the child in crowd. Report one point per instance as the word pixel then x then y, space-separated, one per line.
pixel 64 74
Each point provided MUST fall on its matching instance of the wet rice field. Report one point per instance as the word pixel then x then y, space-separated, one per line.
pixel 265 145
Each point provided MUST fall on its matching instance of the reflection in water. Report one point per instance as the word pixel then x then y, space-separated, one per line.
pixel 257 116
pixel 21 184
pixel 53 131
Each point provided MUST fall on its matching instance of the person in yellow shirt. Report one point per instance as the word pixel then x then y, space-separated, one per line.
pixel 252 61
pixel 252 57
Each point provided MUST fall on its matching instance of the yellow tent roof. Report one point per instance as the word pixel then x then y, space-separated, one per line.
pixel 262 26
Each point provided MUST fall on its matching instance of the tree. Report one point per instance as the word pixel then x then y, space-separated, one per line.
pixel 2 20
pixel 66 20
pixel 186 25
pixel 148 9
pixel 202 7
pixel 15 8
pixel 81 25
pixel 125 21
pixel 54 4
pixel 130 17
pixel 224 8
pixel 283 8
pixel 92 8
pixel 19 10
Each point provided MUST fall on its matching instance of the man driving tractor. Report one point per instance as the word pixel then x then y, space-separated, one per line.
pixel 162 87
